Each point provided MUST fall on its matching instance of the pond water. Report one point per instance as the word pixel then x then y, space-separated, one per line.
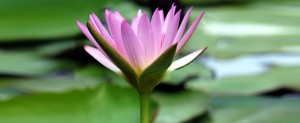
pixel 249 65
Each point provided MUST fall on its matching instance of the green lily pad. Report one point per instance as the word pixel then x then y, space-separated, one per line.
pixel 294 3
pixel 255 110
pixel 56 47
pixel 34 19
pixel 88 77
pixel 107 104
pixel 49 85
pixel 278 77
pixel 200 2
pixel 7 94
pixel 180 107
pixel 274 27
pixel 99 73
pixel 25 64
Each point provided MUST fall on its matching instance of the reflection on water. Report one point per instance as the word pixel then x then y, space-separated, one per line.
pixel 247 29
pixel 249 65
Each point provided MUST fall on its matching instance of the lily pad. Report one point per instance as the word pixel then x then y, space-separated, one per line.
pixel 25 64
pixel 56 47
pixel 201 2
pixel 34 19
pixel 108 103
pixel 278 77
pixel 255 110
pixel 180 107
pixel 99 73
pixel 259 28
pixel 47 85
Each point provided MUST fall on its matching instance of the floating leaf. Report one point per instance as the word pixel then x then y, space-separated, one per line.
pixel 275 28
pixel 181 106
pixel 107 104
pixel 278 77
pixel 255 110
pixel 35 19
pixel 23 63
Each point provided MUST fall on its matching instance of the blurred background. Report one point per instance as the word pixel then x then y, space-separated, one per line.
pixel 249 74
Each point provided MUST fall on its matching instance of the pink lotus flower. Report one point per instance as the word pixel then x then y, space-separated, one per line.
pixel 142 52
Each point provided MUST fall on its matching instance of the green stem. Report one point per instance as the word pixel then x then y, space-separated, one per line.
pixel 144 103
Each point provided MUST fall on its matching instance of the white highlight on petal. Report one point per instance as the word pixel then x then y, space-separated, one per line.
pixel 135 21
pixel 185 60
pixel 101 58
pixel 162 17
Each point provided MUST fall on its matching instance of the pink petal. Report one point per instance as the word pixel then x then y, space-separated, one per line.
pixel 162 39
pixel 182 26
pixel 87 33
pixel 171 30
pixel 156 27
pixel 135 21
pixel 132 46
pixel 140 13
pixel 118 15
pixel 102 29
pixel 145 37
pixel 161 16
pixel 129 73
pixel 134 24
pixel 169 18
pixel 102 58
pixel 186 60
pixel 94 24
pixel 189 33
pixel 114 25
pixel 107 12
